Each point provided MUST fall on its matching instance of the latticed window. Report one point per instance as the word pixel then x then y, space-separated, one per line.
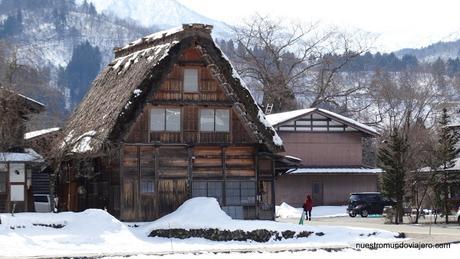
pixel 208 189
pixel 147 185
pixel 240 193
pixel 217 120
pixel 165 119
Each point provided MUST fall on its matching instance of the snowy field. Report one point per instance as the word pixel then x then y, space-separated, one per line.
pixel 95 232
pixel 322 254
pixel 285 211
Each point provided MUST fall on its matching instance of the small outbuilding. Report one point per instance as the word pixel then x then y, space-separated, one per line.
pixel 330 147
pixel 17 163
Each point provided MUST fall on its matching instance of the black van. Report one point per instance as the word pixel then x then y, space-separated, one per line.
pixel 365 203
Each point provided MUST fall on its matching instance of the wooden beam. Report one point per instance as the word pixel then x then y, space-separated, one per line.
pixel 192 102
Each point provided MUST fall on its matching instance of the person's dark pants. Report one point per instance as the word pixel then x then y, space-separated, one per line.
pixel 308 215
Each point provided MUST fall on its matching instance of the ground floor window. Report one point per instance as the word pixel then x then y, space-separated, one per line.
pixel 147 185
pixel 240 193
pixel 208 189
pixel 236 192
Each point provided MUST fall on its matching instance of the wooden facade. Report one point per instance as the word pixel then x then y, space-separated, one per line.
pixel 17 163
pixel 155 169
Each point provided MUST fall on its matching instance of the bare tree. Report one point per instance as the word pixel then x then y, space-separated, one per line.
pixel 288 61
pixel 404 98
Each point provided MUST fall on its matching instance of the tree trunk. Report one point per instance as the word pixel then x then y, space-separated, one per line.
pixel 446 205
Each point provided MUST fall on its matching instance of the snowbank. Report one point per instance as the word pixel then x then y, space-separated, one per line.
pixel 91 231
pixel 285 211
pixel 319 254
pixel 95 232
pixel 199 212
pixel 202 212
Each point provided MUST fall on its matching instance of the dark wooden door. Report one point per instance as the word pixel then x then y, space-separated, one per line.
pixel 129 199
pixel 266 205
pixel 172 193
pixel 317 193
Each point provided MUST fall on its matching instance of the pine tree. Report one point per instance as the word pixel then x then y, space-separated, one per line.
pixel 393 159
pixel 446 153
pixel 81 70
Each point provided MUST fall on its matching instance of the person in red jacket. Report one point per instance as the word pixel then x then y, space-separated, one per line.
pixel 307 207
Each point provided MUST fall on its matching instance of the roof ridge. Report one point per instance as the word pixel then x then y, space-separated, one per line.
pixel 176 33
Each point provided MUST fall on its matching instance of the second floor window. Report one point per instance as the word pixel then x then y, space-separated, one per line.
pixel 190 80
pixel 215 120
pixel 165 119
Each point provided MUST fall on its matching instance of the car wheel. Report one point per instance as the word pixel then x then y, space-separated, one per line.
pixel 352 214
pixel 364 213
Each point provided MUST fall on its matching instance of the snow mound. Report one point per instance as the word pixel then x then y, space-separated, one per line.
pixel 199 212
pixel 92 230
pixel 286 211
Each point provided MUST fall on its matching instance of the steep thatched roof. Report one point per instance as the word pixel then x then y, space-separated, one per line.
pixel 120 91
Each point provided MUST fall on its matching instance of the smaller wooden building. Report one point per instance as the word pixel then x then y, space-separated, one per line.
pixel 167 120
pixel 17 163
pixel 330 147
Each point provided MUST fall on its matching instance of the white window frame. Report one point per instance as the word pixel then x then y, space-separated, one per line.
pixel 165 122
pixel 193 76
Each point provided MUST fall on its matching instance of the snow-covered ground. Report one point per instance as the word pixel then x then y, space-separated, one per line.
pixel 285 211
pixel 322 254
pixel 95 232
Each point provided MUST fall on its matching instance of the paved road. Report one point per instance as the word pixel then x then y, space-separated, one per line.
pixel 440 233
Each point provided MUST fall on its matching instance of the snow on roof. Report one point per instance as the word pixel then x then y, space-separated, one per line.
pixel 293 158
pixel 155 36
pixel 333 170
pixel 83 143
pixel 29 156
pixel 279 118
pixel 350 121
pixel 32 100
pixel 37 133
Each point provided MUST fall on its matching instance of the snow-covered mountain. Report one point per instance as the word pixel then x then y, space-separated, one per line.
pixel 159 13
pixel 443 50
pixel 49 34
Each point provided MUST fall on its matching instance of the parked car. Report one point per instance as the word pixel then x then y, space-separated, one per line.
pixel 365 203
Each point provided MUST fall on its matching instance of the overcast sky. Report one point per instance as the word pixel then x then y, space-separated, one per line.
pixel 397 23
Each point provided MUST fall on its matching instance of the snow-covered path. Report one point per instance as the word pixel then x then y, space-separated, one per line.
pixel 285 211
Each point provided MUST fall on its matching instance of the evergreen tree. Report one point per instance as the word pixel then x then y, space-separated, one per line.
pixel 393 160
pixel 81 70
pixel 438 70
pixel 446 153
